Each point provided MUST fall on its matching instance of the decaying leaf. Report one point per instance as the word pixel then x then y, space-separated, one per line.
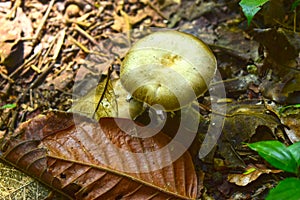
pixel 121 23
pixel 290 117
pixel 125 21
pixel 275 12
pixel 241 124
pixel 286 91
pixel 99 102
pixel 13 50
pixel 88 160
pixel 114 102
pixel 286 42
pixel 282 48
pixel 246 178
pixel 188 10
pixel 17 185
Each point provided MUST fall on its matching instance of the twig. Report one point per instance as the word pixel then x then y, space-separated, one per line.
pixel 37 34
pixel 7 77
pixel 85 34
pixel 157 10
pixel 100 25
pixel 50 64
pixel 26 63
pixel 13 11
pixel 83 48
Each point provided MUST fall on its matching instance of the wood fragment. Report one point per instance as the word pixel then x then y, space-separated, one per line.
pixel 85 34
pixel 37 34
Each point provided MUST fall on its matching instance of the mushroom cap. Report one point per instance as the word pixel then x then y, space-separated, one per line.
pixel 169 68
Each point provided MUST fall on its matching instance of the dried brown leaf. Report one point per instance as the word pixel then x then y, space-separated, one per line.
pixel 246 178
pixel 13 50
pixel 290 117
pixel 121 23
pixel 241 124
pixel 71 153
pixel 286 91
pixel 282 48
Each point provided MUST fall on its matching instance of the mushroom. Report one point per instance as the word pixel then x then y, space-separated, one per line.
pixel 168 68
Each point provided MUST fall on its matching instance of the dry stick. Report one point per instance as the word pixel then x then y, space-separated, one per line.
pixel 26 63
pixel 7 77
pixel 100 25
pixel 127 24
pixel 85 34
pixel 89 37
pixel 83 48
pixel 13 121
pixel 35 68
pixel 78 44
pixel 78 22
pixel 81 20
pixel 295 21
pixel 37 34
pixel 13 11
pixel 156 10
pixel 45 61
pixel 50 65
pixel 59 45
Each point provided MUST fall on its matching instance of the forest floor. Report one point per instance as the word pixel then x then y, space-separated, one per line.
pixel 52 53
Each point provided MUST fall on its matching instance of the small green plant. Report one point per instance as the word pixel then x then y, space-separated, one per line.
pixel 295 4
pixel 294 108
pixel 286 159
pixel 251 7
pixel 8 106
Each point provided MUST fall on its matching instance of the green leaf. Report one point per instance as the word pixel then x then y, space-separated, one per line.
pixel 281 110
pixel 289 189
pixel 251 7
pixel 277 154
pixel 8 106
pixel 295 4
pixel 295 151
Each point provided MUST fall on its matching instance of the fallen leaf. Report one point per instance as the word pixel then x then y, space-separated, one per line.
pixel 121 23
pixel 286 91
pixel 246 178
pixel 98 103
pixel 241 124
pixel 87 160
pixel 141 14
pixel 290 116
pixel 16 185
pixel 282 58
pixel 13 50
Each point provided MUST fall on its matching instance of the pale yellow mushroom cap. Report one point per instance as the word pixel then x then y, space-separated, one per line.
pixel 168 68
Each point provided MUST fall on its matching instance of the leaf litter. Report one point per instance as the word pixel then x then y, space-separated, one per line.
pixel 95 170
pixel 92 37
